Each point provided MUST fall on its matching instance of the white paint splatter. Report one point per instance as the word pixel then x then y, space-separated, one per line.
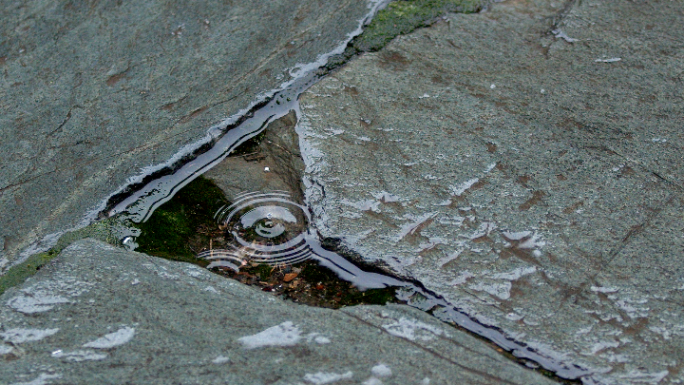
pixel 645 377
pixel 611 60
pixel 410 228
pixel 44 295
pixel 498 289
pixel 285 334
pixel 317 338
pixel 220 360
pixel 5 349
pixel 385 197
pixel 322 378
pixel 516 236
pixel 372 381
pixel 210 289
pixel 516 273
pixel 19 336
pixel 363 205
pixel 601 289
pixel 111 340
pixel 461 188
pixel 79 355
pixel 381 370
pixel 534 241
pixel 561 35
pixel 413 330
pixel 37 304
pixel 40 380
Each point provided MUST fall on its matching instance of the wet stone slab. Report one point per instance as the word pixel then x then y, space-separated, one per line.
pixel 511 163
pixel 93 93
pixel 98 314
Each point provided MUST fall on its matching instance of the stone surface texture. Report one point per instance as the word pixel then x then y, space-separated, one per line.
pixel 93 92
pixel 99 314
pixel 274 164
pixel 526 163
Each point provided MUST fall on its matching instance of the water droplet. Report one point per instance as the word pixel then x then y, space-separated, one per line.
pixel 129 243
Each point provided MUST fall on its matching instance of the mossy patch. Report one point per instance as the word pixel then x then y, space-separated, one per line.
pixel 19 273
pixel 404 16
pixel 103 230
pixel 399 18
pixel 181 227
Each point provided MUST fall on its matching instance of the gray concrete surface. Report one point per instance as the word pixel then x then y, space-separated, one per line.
pixel 98 314
pixel 92 93
pixel 525 163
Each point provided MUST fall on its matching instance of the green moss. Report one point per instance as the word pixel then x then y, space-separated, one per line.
pixel 103 230
pixel 183 222
pixel 263 271
pixel 19 273
pixel 404 16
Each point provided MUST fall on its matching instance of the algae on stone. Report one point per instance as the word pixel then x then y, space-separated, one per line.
pixel 402 17
pixel 104 230
pixel 183 222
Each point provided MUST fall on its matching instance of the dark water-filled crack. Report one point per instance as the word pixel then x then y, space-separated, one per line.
pixel 137 202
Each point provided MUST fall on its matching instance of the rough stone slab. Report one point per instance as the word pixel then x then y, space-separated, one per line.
pixel 98 314
pixel 92 92
pixel 520 173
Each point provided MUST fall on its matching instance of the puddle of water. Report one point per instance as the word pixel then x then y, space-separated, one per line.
pixel 269 228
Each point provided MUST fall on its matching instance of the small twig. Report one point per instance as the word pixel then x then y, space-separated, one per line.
pixel 244 155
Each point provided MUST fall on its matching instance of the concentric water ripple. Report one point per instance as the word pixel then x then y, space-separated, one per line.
pixel 266 227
